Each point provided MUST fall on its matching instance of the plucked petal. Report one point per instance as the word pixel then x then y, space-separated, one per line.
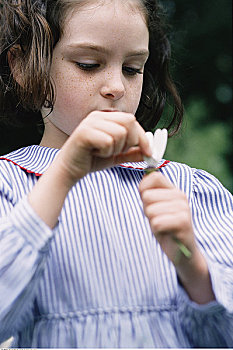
pixel 158 143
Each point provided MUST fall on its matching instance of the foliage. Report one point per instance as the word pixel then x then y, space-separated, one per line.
pixel 203 146
pixel 202 66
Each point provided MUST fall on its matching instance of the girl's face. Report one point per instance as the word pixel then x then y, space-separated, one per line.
pixel 97 65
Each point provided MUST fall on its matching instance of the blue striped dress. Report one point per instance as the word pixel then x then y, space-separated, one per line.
pixel 99 278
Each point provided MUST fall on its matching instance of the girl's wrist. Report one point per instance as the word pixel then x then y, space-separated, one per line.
pixel 195 278
pixel 67 176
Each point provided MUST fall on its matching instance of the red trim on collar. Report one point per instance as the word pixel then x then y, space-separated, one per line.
pixel 28 171
pixel 164 164
pixel 38 174
pixel 131 167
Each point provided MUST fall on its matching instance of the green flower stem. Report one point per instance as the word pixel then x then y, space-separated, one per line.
pixel 182 248
pixel 150 170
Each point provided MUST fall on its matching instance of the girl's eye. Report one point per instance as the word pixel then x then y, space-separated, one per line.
pixel 131 71
pixel 91 66
pixel 87 66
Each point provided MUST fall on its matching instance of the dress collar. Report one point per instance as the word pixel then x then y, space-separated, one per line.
pixel 37 159
pixel 33 159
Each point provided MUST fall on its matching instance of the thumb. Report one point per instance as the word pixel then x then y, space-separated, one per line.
pixel 134 154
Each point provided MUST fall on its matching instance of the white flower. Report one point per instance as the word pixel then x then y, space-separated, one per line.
pixel 158 143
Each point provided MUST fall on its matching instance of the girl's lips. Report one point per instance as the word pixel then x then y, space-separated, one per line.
pixel 109 110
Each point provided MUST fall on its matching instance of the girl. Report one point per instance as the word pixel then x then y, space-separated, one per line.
pixel 88 256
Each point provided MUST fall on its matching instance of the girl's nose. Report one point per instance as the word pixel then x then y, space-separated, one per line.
pixel 113 87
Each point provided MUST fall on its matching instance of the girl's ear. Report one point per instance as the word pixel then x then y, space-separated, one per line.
pixel 14 60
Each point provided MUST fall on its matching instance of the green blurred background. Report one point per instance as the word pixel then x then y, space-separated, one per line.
pixel 201 38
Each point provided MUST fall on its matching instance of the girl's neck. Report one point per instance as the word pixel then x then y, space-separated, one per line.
pixel 53 137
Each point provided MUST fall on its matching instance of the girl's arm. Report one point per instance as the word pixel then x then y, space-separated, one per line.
pixel 169 214
pixel 27 228
pixel 205 298
pixel 24 244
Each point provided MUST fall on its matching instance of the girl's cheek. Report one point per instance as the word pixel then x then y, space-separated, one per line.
pixel 134 95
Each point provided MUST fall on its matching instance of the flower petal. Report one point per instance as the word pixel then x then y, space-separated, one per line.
pixel 159 143
pixel 150 138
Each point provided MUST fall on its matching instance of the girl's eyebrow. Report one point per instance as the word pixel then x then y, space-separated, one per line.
pixel 102 49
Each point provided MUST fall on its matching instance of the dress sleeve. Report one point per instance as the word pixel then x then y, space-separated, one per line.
pixel 24 243
pixel 211 325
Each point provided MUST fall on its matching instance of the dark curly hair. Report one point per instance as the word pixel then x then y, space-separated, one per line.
pixel 30 29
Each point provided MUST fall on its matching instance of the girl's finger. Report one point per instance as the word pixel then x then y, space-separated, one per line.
pixel 98 142
pixel 153 195
pixel 168 207
pixel 136 134
pixel 134 154
pixel 172 224
pixel 154 180
pixel 118 132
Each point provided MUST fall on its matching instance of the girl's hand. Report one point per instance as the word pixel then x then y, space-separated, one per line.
pixel 169 215
pixel 101 140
